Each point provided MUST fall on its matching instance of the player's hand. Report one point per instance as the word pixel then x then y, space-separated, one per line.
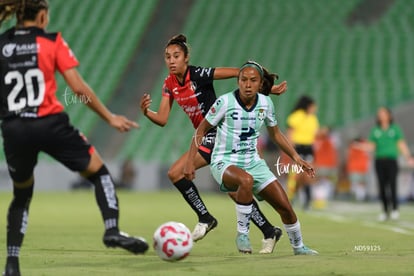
pixel 145 103
pixel 279 89
pixel 410 162
pixel 121 123
pixel 307 168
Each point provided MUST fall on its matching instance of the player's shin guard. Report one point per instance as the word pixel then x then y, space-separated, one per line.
pixel 243 214
pixel 261 221
pixel 191 195
pixel 17 219
pixel 295 234
pixel 106 198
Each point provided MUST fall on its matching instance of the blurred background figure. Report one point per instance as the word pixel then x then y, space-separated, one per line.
pixel 127 175
pixel 386 140
pixel 326 165
pixel 357 169
pixel 303 125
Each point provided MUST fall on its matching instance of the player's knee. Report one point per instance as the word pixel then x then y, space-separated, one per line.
pixel 175 174
pixel 22 197
pixel 246 181
pixel 23 184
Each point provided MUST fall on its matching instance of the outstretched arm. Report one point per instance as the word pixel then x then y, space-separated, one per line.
pixel 83 90
pixel 281 140
pixel 161 116
pixel 189 169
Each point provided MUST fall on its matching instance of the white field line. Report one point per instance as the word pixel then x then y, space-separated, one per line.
pixel 401 227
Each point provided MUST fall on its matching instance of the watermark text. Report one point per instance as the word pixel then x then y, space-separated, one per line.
pixel 72 98
pixel 282 168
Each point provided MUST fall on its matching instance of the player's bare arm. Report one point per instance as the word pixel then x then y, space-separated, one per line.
pixel 159 117
pixel 82 89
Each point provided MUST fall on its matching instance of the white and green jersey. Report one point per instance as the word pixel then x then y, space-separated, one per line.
pixel 238 128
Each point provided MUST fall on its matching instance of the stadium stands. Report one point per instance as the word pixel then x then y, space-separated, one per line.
pixel 99 32
pixel 348 69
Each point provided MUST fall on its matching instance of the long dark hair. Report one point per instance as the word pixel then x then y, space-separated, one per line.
pixel 23 9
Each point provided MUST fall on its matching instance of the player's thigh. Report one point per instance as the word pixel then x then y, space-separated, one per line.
pixel 69 146
pixel 20 151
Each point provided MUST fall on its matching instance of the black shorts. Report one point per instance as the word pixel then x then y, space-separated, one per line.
pixel 24 138
pixel 305 152
pixel 207 145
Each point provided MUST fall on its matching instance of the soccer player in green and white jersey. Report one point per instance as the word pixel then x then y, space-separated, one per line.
pixel 236 164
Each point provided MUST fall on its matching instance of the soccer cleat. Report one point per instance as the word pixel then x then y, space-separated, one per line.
pixel 269 244
pixel 12 269
pixel 395 215
pixel 383 217
pixel 243 243
pixel 201 229
pixel 134 245
pixel 304 250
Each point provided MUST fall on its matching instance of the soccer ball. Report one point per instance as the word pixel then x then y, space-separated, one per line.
pixel 172 241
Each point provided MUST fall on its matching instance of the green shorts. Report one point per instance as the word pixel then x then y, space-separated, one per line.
pixel 258 170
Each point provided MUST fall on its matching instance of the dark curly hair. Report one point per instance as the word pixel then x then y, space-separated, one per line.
pixel 23 9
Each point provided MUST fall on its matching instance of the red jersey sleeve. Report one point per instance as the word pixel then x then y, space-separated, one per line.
pixel 166 90
pixel 65 59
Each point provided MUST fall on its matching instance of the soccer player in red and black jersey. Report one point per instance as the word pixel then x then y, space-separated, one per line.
pixel 192 88
pixel 33 121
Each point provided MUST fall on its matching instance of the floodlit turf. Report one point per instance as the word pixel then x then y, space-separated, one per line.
pixel 65 232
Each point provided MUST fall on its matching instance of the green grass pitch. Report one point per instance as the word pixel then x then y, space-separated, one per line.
pixel 65 232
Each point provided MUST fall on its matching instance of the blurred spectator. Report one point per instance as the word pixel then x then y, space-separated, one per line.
pixel 303 124
pixel 386 139
pixel 326 155
pixel 357 168
pixel 326 164
pixel 81 183
pixel 127 175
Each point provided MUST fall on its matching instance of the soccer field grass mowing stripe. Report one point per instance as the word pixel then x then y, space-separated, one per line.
pixel 64 237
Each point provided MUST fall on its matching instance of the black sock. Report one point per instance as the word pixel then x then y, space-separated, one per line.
pixel 17 219
pixel 191 195
pixel 308 196
pixel 261 221
pixel 106 198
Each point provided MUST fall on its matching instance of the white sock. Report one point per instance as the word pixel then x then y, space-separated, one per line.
pixel 243 218
pixel 294 233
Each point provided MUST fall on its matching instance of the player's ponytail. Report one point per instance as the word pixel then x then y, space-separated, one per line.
pixel 268 81
pixel 180 40
pixel 23 9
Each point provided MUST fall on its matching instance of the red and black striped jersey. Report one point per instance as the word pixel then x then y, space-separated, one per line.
pixel 29 59
pixel 195 95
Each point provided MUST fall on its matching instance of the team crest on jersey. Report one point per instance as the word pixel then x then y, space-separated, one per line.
pixel 261 114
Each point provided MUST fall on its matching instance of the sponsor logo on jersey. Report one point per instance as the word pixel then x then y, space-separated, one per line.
pixel 19 49
pixel 235 116
pixel 8 49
